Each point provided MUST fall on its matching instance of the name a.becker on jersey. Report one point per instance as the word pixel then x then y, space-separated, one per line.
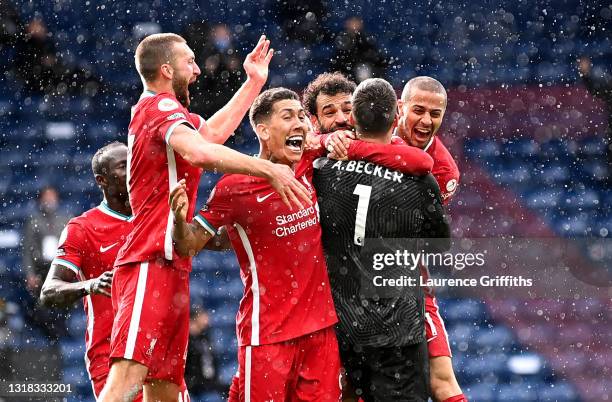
pixel 368 168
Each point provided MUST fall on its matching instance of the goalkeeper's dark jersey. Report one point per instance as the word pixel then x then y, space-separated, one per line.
pixel 362 203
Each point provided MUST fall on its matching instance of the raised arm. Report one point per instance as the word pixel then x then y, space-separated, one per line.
pixel 62 287
pixel 223 123
pixel 195 150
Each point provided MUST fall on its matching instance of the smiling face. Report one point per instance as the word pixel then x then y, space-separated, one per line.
pixel 420 117
pixel 283 133
pixel 184 72
pixel 333 112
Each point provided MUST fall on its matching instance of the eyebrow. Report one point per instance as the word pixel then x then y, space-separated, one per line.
pixel 291 110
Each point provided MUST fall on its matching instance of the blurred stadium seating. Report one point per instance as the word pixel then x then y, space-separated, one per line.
pixel 527 139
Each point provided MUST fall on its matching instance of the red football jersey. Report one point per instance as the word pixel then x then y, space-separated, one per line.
pixel 280 253
pixel 445 169
pixel 154 168
pixel 88 246
pixel 287 292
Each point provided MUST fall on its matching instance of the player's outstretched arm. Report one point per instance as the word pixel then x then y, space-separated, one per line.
pixel 195 150
pixel 188 238
pixel 223 123
pixel 62 287
pixel 403 158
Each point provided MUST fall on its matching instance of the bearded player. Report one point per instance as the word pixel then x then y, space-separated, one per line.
pixel 166 143
pixel 85 257
pixel 421 110
pixel 288 349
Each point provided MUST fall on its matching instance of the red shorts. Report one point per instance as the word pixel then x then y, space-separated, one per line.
pixel 151 326
pixel 437 338
pixel 302 369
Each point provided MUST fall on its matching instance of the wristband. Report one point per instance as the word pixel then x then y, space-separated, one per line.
pixel 89 288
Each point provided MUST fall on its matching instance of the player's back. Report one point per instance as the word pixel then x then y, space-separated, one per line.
pixel 360 201
pixel 154 168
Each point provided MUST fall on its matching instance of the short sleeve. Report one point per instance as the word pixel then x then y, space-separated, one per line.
pixel 71 247
pixel 165 114
pixel 448 180
pixel 199 119
pixel 217 211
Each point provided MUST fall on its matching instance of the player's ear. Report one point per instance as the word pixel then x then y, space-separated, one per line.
pixel 400 106
pixel 262 132
pixel 351 120
pixel 315 122
pixel 101 181
pixel 167 71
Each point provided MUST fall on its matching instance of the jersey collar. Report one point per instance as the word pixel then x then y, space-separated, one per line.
pixel 431 140
pixel 111 212
pixel 146 94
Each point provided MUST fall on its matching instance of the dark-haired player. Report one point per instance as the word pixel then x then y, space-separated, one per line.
pixel 288 349
pixel 382 340
pixel 421 110
pixel 166 144
pixel 82 268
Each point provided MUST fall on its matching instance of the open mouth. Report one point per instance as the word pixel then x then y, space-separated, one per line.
pixel 295 143
pixel 422 134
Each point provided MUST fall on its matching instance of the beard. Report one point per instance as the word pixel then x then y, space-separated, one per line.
pixel 181 90
pixel 334 127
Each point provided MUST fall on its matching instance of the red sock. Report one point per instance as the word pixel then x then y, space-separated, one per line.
pixel 456 398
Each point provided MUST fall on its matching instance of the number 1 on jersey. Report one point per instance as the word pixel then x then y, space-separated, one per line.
pixel 364 193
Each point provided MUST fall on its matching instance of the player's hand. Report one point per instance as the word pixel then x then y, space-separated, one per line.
pixel 337 144
pixel 282 178
pixel 101 285
pixel 179 203
pixel 312 141
pixel 256 63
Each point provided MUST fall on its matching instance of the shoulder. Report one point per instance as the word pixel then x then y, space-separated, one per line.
pixel 443 160
pixel 85 220
pixel 159 103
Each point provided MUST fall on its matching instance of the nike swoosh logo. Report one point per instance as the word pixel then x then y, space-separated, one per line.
pixel 265 197
pixel 105 249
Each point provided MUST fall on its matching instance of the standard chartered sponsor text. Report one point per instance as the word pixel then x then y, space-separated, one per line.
pixel 285 227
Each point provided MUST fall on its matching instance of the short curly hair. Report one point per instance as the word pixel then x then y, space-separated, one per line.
pixel 328 83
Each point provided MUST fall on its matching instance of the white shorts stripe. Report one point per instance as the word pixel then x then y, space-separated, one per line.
pixel 441 322
pixel 247 375
pixel 432 327
pixel 136 310
pixel 254 284
pixel 172 180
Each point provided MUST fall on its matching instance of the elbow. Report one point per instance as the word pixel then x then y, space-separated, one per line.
pixel 182 252
pixel 46 298
pixel 182 249
pixel 425 165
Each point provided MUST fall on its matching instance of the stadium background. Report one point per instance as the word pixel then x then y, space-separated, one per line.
pixel 529 139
